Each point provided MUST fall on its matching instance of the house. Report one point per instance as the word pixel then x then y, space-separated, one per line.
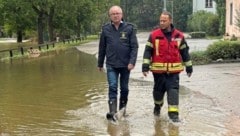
pixel 206 5
pixel 232 9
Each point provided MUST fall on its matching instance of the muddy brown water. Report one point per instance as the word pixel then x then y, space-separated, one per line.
pixel 62 93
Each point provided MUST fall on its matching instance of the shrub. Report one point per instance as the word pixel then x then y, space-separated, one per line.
pixel 197 34
pixel 224 50
pixel 199 58
pixel 204 21
pixel 213 24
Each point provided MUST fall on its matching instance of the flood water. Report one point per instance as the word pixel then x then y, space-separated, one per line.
pixel 36 93
pixel 61 93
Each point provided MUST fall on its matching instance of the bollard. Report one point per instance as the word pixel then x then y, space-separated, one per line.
pixel 22 51
pixel 11 53
pixel 47 47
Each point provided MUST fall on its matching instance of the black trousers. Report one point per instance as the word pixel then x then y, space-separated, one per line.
pixel 166 83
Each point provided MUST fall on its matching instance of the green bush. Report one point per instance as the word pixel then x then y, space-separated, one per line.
pixel 233 38
pixel 204 21
pixel 197 34
pixel 224 50
pixel 213 25
pixel 199 58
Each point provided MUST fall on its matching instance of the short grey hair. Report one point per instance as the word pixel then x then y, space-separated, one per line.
pixel 167 13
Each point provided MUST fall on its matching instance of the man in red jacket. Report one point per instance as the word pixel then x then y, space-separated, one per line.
pixel 166 54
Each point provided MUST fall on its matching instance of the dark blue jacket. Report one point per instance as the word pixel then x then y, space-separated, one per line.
pixel 120 47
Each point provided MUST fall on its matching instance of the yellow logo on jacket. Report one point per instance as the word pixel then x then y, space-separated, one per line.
pixel 123 35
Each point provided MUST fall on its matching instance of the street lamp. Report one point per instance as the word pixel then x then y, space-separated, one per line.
pixel 172 9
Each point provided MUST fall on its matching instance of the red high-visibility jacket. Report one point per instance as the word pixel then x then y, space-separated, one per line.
pixel 166 55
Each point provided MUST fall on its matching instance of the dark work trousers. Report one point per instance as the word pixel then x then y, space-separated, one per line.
pixel 166 83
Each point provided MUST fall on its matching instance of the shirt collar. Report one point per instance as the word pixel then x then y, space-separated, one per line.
pixel 120 22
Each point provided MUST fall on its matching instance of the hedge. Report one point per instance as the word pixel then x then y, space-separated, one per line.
pixel 224 50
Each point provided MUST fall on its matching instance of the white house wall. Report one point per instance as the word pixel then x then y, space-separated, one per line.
pixel 200 5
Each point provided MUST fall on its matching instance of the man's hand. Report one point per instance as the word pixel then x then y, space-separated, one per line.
pixel 145 69
pixel 100 69
pixel 145 74
pixel 189 71
pixel 130 67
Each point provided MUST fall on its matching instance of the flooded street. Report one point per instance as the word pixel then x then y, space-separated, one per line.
pixel 208 100
pixel 36 93
pixel 62 94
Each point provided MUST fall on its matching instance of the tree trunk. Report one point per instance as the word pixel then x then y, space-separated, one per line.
pixel 19 36
pixel 40 24
pixel 50 24
pixel 78 31
pixel 40 28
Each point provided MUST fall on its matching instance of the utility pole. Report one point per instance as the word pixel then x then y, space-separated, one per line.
pixel 164 5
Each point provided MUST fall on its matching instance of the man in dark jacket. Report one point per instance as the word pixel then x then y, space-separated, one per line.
pixel 118 43
pixel 165 54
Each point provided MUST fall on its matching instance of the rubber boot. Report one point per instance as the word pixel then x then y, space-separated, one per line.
pixel 112 109
pixel 156 110
pixel 173 116
pixel 123 104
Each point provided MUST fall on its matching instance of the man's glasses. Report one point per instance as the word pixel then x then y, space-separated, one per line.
pixel 113 14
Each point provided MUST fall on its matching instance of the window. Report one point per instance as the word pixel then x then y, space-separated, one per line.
pixel 208 3
pixel 231 14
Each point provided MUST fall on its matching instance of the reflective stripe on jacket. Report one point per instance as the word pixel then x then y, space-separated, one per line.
pixel 166 55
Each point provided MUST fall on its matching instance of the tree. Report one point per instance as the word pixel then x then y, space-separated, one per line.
pixel 145 13
pixel 221 11
pixel 40 8
pixel 182 9
pixel 17 17
pixel 1 15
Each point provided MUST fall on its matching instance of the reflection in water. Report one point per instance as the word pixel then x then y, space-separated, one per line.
pixel 166 128
pixel 36 92
pixel 173 130
pixel 159 130
pixel 122 129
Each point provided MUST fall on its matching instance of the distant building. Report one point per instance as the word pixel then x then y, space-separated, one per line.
pixel 232 6
pixel 206 5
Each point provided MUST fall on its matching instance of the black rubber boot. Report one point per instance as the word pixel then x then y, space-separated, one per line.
pixel 112 109
pixel 156 110
pixel 123 104
pixel 173 116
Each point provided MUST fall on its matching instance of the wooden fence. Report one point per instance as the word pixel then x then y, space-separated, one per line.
pixel 23 49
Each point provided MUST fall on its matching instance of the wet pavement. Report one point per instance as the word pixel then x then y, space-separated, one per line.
pixel 209 101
